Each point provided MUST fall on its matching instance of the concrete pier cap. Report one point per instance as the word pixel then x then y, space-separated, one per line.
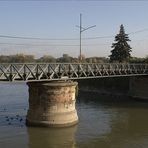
pixel 52 104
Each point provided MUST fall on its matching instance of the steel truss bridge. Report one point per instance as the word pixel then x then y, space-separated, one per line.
pixel 59 71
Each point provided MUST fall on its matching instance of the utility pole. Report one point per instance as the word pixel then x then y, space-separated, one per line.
pixel 82 30
pixel 80 37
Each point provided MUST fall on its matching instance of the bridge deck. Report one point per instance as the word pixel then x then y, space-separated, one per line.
pixel 58 71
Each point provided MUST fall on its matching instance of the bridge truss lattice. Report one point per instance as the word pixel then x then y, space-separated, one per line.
pixel 59 71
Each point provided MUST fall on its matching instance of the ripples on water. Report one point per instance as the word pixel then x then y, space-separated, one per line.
pixel 104 122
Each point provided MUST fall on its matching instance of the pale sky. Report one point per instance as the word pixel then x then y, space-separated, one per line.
pixel 57 20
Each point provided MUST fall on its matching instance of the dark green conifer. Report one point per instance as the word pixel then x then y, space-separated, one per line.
pixel 121 49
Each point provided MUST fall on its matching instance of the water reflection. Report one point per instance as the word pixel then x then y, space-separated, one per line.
pixel 52 137
pixel 104 122
pixel 126 120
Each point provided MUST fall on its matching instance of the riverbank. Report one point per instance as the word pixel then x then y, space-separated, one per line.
pixel 119 87
pixel 106 86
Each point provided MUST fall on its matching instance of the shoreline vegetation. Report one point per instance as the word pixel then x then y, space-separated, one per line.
pixel 65 58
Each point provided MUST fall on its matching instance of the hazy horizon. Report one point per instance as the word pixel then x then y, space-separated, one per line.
pixel 55 22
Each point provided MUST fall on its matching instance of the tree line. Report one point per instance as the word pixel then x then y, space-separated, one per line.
pixel 120 53
pixel 21 58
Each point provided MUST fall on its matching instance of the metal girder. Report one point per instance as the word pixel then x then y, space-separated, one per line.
pixel 58 71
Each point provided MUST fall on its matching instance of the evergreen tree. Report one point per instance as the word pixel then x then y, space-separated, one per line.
pixel 121 49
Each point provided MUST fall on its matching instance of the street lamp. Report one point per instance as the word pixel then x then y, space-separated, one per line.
pixel 82 30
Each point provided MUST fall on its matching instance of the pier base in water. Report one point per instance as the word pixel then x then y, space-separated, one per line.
pixel 52 104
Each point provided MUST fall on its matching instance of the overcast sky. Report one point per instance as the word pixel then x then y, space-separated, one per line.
pixel 57 20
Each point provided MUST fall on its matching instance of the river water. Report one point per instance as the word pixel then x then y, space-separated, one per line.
pixel 104 122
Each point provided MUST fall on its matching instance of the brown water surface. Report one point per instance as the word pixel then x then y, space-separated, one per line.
pixel 105 122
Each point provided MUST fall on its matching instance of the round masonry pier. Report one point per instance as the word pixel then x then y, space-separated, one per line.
pixel 52 104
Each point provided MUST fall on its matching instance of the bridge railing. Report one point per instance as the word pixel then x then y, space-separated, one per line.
pixel 56 71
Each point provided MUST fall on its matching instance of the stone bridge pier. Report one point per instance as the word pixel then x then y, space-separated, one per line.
pixel 52 104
